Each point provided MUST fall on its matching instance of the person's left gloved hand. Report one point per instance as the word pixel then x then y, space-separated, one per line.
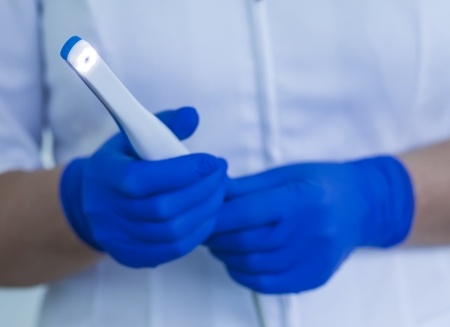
pixel 288 229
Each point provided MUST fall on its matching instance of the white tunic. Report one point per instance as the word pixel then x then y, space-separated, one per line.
pixel 275 82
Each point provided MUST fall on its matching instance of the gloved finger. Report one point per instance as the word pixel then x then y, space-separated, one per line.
pixel 177 228
pixel 267 180
pixel 182 122
pixel 297 247
pixel 118 147
pixel 249 212
pixel 257 263
pixel 266 207
pixel 265 238
pixel 165 206
pixel 146 178
pixel 306 276
pixel 136 255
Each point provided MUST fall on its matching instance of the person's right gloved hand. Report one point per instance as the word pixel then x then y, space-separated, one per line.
pixel 144 213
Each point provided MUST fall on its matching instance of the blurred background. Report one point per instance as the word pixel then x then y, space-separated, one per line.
pixel 20 307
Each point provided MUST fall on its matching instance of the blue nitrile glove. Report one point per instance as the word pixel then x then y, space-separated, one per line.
pixel 144 213
pixel 288 229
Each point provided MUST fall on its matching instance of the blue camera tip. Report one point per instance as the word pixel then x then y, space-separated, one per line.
pixel 68 46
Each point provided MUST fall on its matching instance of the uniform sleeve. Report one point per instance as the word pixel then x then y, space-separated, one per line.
pixel 21 89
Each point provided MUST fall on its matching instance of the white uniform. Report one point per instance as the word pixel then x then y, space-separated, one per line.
pixel 274 82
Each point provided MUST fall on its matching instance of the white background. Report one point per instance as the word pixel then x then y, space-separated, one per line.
pixel 20 307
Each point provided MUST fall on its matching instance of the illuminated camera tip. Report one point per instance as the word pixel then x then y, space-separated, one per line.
pixel 86 60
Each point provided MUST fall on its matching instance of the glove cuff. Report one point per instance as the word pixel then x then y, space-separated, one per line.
pixel 71 191
pixel 392 197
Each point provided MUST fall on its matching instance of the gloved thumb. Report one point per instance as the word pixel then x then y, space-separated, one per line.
pixel 182 122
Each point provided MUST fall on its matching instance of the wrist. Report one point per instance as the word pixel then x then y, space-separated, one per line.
pixel 71 197
pixel 388 189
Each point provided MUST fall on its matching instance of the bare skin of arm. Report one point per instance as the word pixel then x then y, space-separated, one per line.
pixel 430 171
pixel 36 243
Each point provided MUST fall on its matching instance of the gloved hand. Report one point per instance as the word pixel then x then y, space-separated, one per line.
pixel 288 229
pixel 144 213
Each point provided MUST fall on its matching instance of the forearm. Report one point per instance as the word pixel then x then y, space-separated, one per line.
pixel 430 171
pixel 36 243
